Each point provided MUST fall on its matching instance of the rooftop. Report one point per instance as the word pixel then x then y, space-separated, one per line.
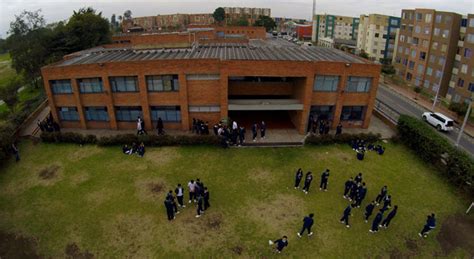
pixel 221 51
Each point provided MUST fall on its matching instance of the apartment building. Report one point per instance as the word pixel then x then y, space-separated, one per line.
pixel 110 88
pixel 166 22
pixel 427 45
pixel 461 85
pixel 335 27
pixel 377 36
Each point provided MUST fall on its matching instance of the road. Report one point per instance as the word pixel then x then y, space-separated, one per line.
pixel 406 106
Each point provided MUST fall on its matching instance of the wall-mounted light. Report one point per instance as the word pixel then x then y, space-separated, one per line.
pixel 348 64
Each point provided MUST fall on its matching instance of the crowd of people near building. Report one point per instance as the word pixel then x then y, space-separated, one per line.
pixel 234 135
pixel 134 149
pixel 48 124
pixel 198 195
pixel 322 125
pixel 200 127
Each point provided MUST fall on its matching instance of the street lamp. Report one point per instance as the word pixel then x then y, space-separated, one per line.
pixel 466 116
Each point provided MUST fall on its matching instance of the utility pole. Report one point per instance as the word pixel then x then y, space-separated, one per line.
pixel 313 35
pixel 439 86
pixel 466 116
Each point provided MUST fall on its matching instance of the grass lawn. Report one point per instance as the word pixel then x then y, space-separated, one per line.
pixel 6 72
pixel 112 205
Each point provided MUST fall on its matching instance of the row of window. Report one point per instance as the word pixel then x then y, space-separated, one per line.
pixel 348 113
pixel 162 83
pixel 122 113
pixel 330 83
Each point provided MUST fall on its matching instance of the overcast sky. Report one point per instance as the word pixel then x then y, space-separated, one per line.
pixel 55 10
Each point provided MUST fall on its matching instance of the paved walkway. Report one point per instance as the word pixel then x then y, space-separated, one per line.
pixel 31 129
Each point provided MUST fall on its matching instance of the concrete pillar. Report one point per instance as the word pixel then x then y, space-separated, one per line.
pixel 143 91
pixel 110 101
pixel 370 106
pixel 224 91
pixel 183 100
pixel 77 98
pixel 340 99
pixel 307 98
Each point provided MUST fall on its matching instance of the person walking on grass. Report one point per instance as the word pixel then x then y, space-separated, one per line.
pixel 279 244
pixel 307 182
pixel 298 177
pixel 16 152
pixel 361 193
pixel 324 180
pixel 389 217
pixel 358 178
pixel 307 224
pixel 346 214
pixel 376 222
pixel 192 193
pixel 206 199
pixel 430 225
pixel 382 194
pixel 354 191
pixel 368 211
pixel 179 191
pixel 348 187
pixel 169 209
pixel 387 202
pixel 200 201
pixel 173 202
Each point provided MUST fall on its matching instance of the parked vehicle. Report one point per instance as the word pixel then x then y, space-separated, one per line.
pixel 307 43
pixel 438 120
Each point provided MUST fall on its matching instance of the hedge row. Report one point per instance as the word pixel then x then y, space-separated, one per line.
pixel 6 139
pixel 455 164
pixel 118 140
pixel 343 138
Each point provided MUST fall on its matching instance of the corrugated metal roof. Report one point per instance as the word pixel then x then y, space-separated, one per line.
pixel 222 51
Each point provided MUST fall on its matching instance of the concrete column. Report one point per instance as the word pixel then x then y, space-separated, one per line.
pixel 307 98
pixel 143 91
pixel 370 105
pixel 51 103
pixel 340 99
pixel 183 100
pixel 224 91
pixel 110 101
pixel 77 97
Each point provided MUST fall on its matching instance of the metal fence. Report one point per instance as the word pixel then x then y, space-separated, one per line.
pixel 387 111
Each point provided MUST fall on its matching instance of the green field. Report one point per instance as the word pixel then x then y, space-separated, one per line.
pixel 111 205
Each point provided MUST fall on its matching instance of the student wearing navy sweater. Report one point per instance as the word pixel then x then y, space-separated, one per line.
pixel 307 224
pixel 281 243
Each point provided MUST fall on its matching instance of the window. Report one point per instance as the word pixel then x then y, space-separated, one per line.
pixel 400 49
pixel 471 87
pixel 96 114
pixel 438 73
pixel 444 47
pixel 434 46
pixel 415 40
pixel 162 83
pixel 417 29
pixel 90 85
pixel 471 22
pixel 413 53
pixel 463 22
pixel 467 53
pixel 436 31
pixel 427 30
pixel 402 38
pixel 61 86
pixel 441 61
pixel 421 69
pixel 419 16
pixel 438 18
pixel 203 77
pixel 432 58
pixel 123 83
pixel 411 65
pixel 409 76
pixel 464 69
pixel 460 82
pixel 376 35
pixel 352 113
pixel 207 108
pixel 445 33
pixel 422 55
pixel 127 113
pixel 426 43
pixel 358 84
pixel 428 18
pixel 429 71
pixel 326 83
pixel 470 38
pixel 448 19
pixel 394 22
pixel 68 114
pixel 166 113
pixel 322 112
pixel 426 84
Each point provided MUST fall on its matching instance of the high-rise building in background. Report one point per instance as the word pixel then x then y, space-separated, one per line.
pixel 335 27
pixel 427 45
pixel 235 14
pixel 377 36
pixel 461 85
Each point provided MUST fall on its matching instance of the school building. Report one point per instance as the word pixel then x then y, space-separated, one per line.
pixel 107 88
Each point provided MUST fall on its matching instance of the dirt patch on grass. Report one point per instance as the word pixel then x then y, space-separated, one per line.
pixel 279 213
pixel 214 221
pixel 457 231
pixel 151 190
pixel 238 250
pixel 73 251
pixel 14 246
pixel 85 152
pixel 49 172
pixel 262 176
pixel 79 178
pixel 130 236
pixel 162 156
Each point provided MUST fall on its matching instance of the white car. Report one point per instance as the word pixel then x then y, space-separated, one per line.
pixel 438 120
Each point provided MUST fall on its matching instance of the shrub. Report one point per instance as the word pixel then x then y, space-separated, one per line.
pixel 459 108
pixel 341 139
pixel 6 138
pixel 455 164
pixel 67 137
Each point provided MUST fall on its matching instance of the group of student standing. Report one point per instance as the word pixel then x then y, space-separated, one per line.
pixel 235 134
pixel 141 126
pixel 355 191
pixel 198 194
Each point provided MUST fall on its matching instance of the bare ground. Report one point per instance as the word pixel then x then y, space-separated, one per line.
pixel 457 231
pixel 14 246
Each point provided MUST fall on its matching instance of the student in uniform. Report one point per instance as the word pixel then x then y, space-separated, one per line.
pixel 361 193
pixel 192 193
pixel 169 209
pixel 200 184
pixel 368 210
pixel 159 126
pixel 281 243
pixel 307 224
pixel 199 207
pixel 358 178
pixel 387 202
pixel 381 196
pixel 430 225
pixel 173 202
pixel 324 180
pixel 346 214
pixel 389 217
pixel 263 129
pixel 348 187
pixel 376 222
pixel 298 177
pixel 339 129
pixel 307 182
pixel 254 132
pixel 354 191
pixel 206 199
pixel 241 135
pixel 180 195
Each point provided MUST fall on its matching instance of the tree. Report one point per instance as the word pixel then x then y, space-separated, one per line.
pixel 127 15
pixel 417 90
pixel 265 21
pixel 243 21
pixel 3 46
pixel 459 108
pixel 362 54
pixel 219 15
pixel 86 29
pixel 8 93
